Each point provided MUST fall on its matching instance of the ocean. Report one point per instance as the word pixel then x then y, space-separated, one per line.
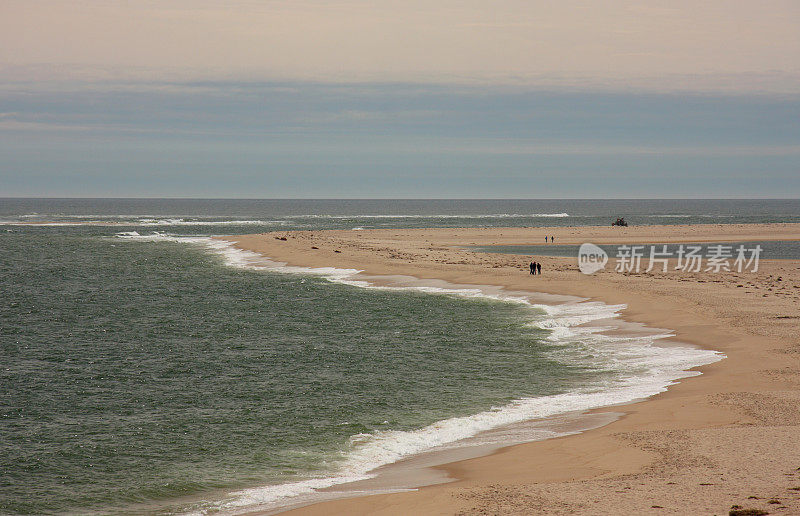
pixel 148 369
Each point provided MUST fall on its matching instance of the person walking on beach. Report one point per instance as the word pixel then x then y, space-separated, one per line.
pixel 552 239
pixel 538 268
pixel 533 268
pixel 545 239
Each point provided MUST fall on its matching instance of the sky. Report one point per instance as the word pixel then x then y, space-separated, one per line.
pixel 413 99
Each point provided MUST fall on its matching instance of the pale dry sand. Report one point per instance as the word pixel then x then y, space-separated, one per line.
pixel 730 437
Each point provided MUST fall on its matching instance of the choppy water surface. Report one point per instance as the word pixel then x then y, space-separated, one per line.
pixel 241 216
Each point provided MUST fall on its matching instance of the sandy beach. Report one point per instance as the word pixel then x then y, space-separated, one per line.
pixel 725 440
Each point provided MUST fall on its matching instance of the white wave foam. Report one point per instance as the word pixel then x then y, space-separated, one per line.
pixel 657 369
pixel 441 216
pixel 18 223
pixel 157 236
pixel 663 369
pixel 240 258
pixel 145 222
pixel 184 222
pixel 101 216
pixel 267 495
pixel 641 367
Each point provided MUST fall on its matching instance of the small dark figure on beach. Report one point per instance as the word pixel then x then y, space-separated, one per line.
pixel 545 239
pixel 538 268
pixel 552 239
pixel 533 267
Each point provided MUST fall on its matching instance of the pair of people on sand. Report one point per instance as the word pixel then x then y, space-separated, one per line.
pixel 552 239
pixel 536 268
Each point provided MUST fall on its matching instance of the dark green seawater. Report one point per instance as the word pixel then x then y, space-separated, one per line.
pixel 151 370
pixel 140 372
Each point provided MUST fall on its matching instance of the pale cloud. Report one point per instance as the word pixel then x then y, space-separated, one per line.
pixel 685 45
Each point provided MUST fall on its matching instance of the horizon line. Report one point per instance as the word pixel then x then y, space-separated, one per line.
pixel 412 198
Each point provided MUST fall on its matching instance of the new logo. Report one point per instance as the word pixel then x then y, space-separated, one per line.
pixel 591 258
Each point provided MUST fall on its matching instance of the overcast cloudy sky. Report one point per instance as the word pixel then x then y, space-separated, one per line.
pixel 385 98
